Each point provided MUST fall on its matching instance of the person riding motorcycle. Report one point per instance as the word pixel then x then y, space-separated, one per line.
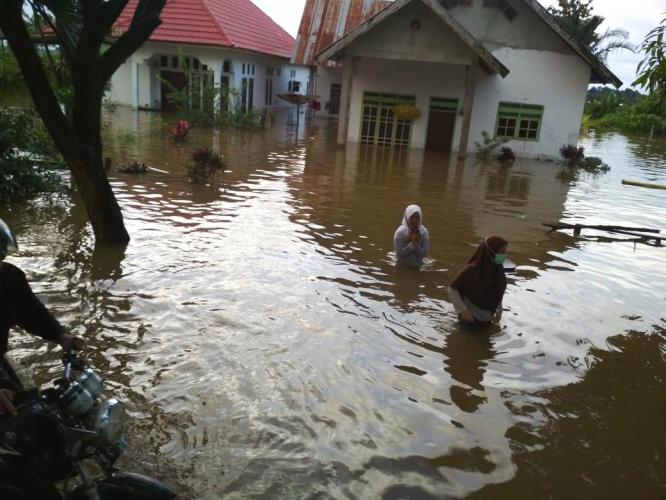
pixel 19 306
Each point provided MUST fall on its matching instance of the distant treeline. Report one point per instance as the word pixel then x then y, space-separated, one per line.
pixel 626 110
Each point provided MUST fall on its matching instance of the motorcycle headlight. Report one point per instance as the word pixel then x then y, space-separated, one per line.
pixel 108 419
pixel 91 382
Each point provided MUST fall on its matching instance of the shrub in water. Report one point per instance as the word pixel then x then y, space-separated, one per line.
pixel 205 165
pixel 575 160
pixel 506 155
pixel 180 130
pixel 485 150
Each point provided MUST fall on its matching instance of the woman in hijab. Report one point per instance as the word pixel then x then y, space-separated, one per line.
pixel 477 290
pixel 411 238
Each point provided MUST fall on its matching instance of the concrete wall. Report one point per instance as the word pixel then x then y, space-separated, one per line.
pixel 137 84
pixel 325 77
pixel 555 81
pixel 526 31
pixel 396 38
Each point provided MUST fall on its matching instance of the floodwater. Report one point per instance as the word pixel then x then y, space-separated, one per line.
pixel 268 347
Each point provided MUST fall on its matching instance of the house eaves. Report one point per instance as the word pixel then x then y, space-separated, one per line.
pixel 487 61
pixel 600 72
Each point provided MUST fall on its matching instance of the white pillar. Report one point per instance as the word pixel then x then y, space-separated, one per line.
pixel 345 99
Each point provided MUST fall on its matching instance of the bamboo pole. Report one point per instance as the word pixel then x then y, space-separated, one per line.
pixel 650 185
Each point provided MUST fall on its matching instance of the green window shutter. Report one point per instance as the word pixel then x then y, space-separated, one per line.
pixel 519 121
pixel 443 104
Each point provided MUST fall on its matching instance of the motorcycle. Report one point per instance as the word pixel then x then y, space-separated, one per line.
pixel 65 440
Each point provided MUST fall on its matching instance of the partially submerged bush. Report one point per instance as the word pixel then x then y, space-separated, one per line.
pixel 180 130
pixel 506 155
pixel 575 161
pixel 485 150
pixel 205 165
pixel 572 155
pixel 27 156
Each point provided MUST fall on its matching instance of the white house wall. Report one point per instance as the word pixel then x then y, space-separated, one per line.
pixel 555 81
pixel 493 29
pixel 396 38
pixel 137 84
pixel 325 77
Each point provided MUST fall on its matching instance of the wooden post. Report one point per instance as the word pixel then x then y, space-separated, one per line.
pixel 345 99
pixel 468 106
pixel 312 90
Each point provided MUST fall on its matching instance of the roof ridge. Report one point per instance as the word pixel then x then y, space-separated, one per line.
pixel 217 22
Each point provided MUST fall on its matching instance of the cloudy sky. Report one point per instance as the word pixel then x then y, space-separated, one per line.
pixel 637 16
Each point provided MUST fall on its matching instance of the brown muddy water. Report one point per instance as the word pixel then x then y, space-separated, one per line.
pixel 268 347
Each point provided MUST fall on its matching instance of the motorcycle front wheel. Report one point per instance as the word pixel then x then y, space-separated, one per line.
pixel 127 485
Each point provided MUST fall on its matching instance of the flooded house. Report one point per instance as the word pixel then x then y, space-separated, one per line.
pixel 203 44
pixel 458 67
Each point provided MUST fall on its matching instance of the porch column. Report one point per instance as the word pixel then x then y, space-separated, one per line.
pixel 134 83
pixel 345 99
pixel 468 106
pixel 312 88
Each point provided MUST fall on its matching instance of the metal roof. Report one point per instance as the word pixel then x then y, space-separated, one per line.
pixel 325 21
pixel 227 23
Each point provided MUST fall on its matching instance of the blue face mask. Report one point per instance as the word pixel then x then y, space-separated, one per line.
pixel 499 258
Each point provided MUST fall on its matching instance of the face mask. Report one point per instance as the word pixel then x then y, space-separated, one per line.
pixel 499 258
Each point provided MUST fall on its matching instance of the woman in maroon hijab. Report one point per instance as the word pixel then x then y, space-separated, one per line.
pixel 477 290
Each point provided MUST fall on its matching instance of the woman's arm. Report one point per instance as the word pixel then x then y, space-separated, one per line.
pixel 421 249
pixel 403 245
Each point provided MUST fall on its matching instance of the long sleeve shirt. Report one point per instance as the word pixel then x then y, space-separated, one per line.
pixel 406 251
pixel 461 303
pixel 19 306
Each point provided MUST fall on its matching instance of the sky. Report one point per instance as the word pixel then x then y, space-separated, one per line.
pixel 636 16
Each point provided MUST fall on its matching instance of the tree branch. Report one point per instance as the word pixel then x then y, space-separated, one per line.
pixel 46 103
pixel 146 19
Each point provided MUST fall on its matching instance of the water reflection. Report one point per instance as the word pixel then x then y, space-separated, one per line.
pixel 269 346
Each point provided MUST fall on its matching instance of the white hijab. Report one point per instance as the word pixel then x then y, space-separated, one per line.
pixel 409 211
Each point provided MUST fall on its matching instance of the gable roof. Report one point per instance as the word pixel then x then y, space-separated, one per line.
pixel 600 72
pixel 324 21
pixel 226 23
pixel 488 62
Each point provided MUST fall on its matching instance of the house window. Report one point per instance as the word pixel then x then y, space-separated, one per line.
pixel 519 121
pixel 247 94
pixel 379 124
pixel 174 62
pixel 279 71
pixel 294 87
pixel 269 91
pixel 226 66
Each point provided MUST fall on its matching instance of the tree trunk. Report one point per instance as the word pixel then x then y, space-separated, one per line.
pixel 79 141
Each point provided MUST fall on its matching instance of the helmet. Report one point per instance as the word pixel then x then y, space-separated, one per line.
pixel 7 240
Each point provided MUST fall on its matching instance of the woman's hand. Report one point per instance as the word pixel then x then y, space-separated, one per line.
pixel 416 237
pixel 467 317
pixel 498 316
pixel 66 341
pixel 6 406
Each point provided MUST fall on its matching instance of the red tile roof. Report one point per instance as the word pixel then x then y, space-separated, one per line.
pixel 226 23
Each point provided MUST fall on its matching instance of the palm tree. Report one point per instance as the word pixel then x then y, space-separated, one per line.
pixel 577 18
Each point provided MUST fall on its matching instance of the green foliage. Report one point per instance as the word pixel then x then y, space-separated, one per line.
pixel 204 167
pixel 506 156
pixel 577 18
pixel 22 132
pixel 575 162
pixel 485 150
pixel 604 105
pixel 633 120
pixel 652 70
pixel 207 105
pixel 626 110
pixel 27 156
pixel 10 73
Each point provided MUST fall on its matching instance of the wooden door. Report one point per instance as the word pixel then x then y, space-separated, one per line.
pixel 334 99
pixel 440 130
